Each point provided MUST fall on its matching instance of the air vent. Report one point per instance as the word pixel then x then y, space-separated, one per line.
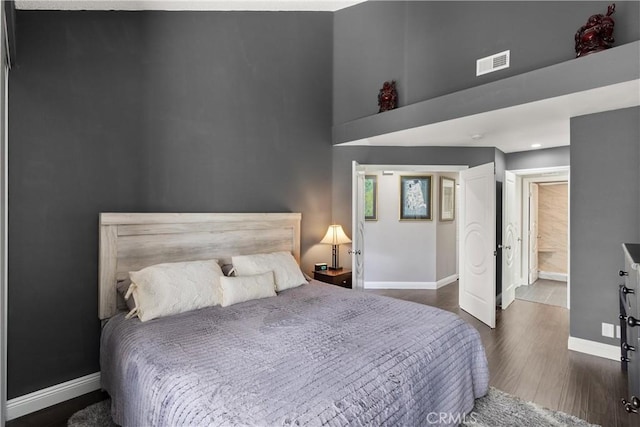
pixel 493 63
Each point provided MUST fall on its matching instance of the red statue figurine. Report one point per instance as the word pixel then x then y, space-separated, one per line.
pixel 596 34
pixel 388 97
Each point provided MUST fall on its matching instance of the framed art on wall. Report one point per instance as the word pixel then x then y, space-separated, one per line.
pixel 371 197
pixel 415 197
pixel 447 199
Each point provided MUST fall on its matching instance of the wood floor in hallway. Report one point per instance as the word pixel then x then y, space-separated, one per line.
pixel 528 357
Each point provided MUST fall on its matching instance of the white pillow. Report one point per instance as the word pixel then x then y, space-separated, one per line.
pixel 284 266
pixel 245 288
pixel 164 289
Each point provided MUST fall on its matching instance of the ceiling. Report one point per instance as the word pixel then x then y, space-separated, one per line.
pixel 512 129
pixel 229 5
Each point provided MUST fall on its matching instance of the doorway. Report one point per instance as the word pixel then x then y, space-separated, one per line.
pixel 544 265
pixel 391 253
pixel 475 227
pixel 478 245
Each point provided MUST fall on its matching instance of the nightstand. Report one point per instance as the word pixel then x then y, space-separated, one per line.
pixel 335 277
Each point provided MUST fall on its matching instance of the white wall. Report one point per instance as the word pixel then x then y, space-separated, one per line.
pixel 446 241
pixel 410 254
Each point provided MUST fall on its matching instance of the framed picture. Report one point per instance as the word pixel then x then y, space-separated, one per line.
pixel 447 199
pixel 371 197
pixel 415 197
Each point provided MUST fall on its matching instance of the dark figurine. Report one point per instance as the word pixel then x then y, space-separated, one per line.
pixel 388 97
pixel 596 34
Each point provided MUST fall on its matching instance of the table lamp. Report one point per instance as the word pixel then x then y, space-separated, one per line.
pixel 335 236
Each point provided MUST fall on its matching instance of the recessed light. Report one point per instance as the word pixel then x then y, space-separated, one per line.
pixel 536 145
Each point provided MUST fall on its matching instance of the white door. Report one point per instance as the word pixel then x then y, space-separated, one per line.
pixel 533 233
pixel 510 240
pixel 357 227
pixel 477 227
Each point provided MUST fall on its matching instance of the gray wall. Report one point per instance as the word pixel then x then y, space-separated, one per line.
pixel 430 47
pixel 549 157
pixel 3 218
pixel 150 112
pixel 605 212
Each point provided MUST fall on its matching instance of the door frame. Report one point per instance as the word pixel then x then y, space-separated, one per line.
pixel 357 198
pixel 531 193
pixel 516 208
pixel 537 175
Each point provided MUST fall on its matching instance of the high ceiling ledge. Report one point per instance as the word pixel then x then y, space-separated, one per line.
pixel 511 113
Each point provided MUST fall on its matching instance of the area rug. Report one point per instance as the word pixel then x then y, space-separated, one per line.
pixel 496 409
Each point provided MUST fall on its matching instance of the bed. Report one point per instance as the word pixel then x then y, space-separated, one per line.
pixel 315 354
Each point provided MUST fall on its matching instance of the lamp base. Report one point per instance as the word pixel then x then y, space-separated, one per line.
pixel 334 268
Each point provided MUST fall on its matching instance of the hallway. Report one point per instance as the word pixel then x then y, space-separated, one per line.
pixel 544 291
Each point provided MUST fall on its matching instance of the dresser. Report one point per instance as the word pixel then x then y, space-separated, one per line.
pixel 630 324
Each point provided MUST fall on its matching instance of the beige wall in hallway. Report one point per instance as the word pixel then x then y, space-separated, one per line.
pixel 553 218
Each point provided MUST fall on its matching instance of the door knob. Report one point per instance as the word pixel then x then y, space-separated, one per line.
pixel 627 407
pixel 622 273
pixel 357 252
pixel 626 290
pixel 630 320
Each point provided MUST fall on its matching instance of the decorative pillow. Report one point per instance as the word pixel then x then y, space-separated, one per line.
pixel 228 270
pixel 285 269
pixel 164 289
pixel 245 288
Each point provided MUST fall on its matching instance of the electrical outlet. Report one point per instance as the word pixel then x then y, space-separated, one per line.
pixel 618 331
pixel 607 330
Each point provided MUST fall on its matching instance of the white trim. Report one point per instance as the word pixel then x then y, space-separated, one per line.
pixel 550 169
pixel 411 285
pixel 400 285
pixel 53 395
pixel 543 175
pixel 189 5
pixel 562 277
pixel 446 281
pixel 594 348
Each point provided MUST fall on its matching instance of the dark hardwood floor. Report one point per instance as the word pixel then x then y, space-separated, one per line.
pixel 528 357
pixel 58 415
pixel 527 354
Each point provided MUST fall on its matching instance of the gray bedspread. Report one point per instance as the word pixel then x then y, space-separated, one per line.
pixel 313 355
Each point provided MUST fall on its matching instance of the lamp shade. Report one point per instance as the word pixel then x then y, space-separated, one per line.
pixel 335 236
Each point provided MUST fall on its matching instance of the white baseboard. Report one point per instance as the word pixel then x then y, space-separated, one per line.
pixel 446 281
pixel 594 348
pixel 562 277
pixel 400 285
pixel 411 285
pixel 53 395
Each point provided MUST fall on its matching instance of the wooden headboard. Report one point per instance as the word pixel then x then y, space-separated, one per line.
pixel 131 241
